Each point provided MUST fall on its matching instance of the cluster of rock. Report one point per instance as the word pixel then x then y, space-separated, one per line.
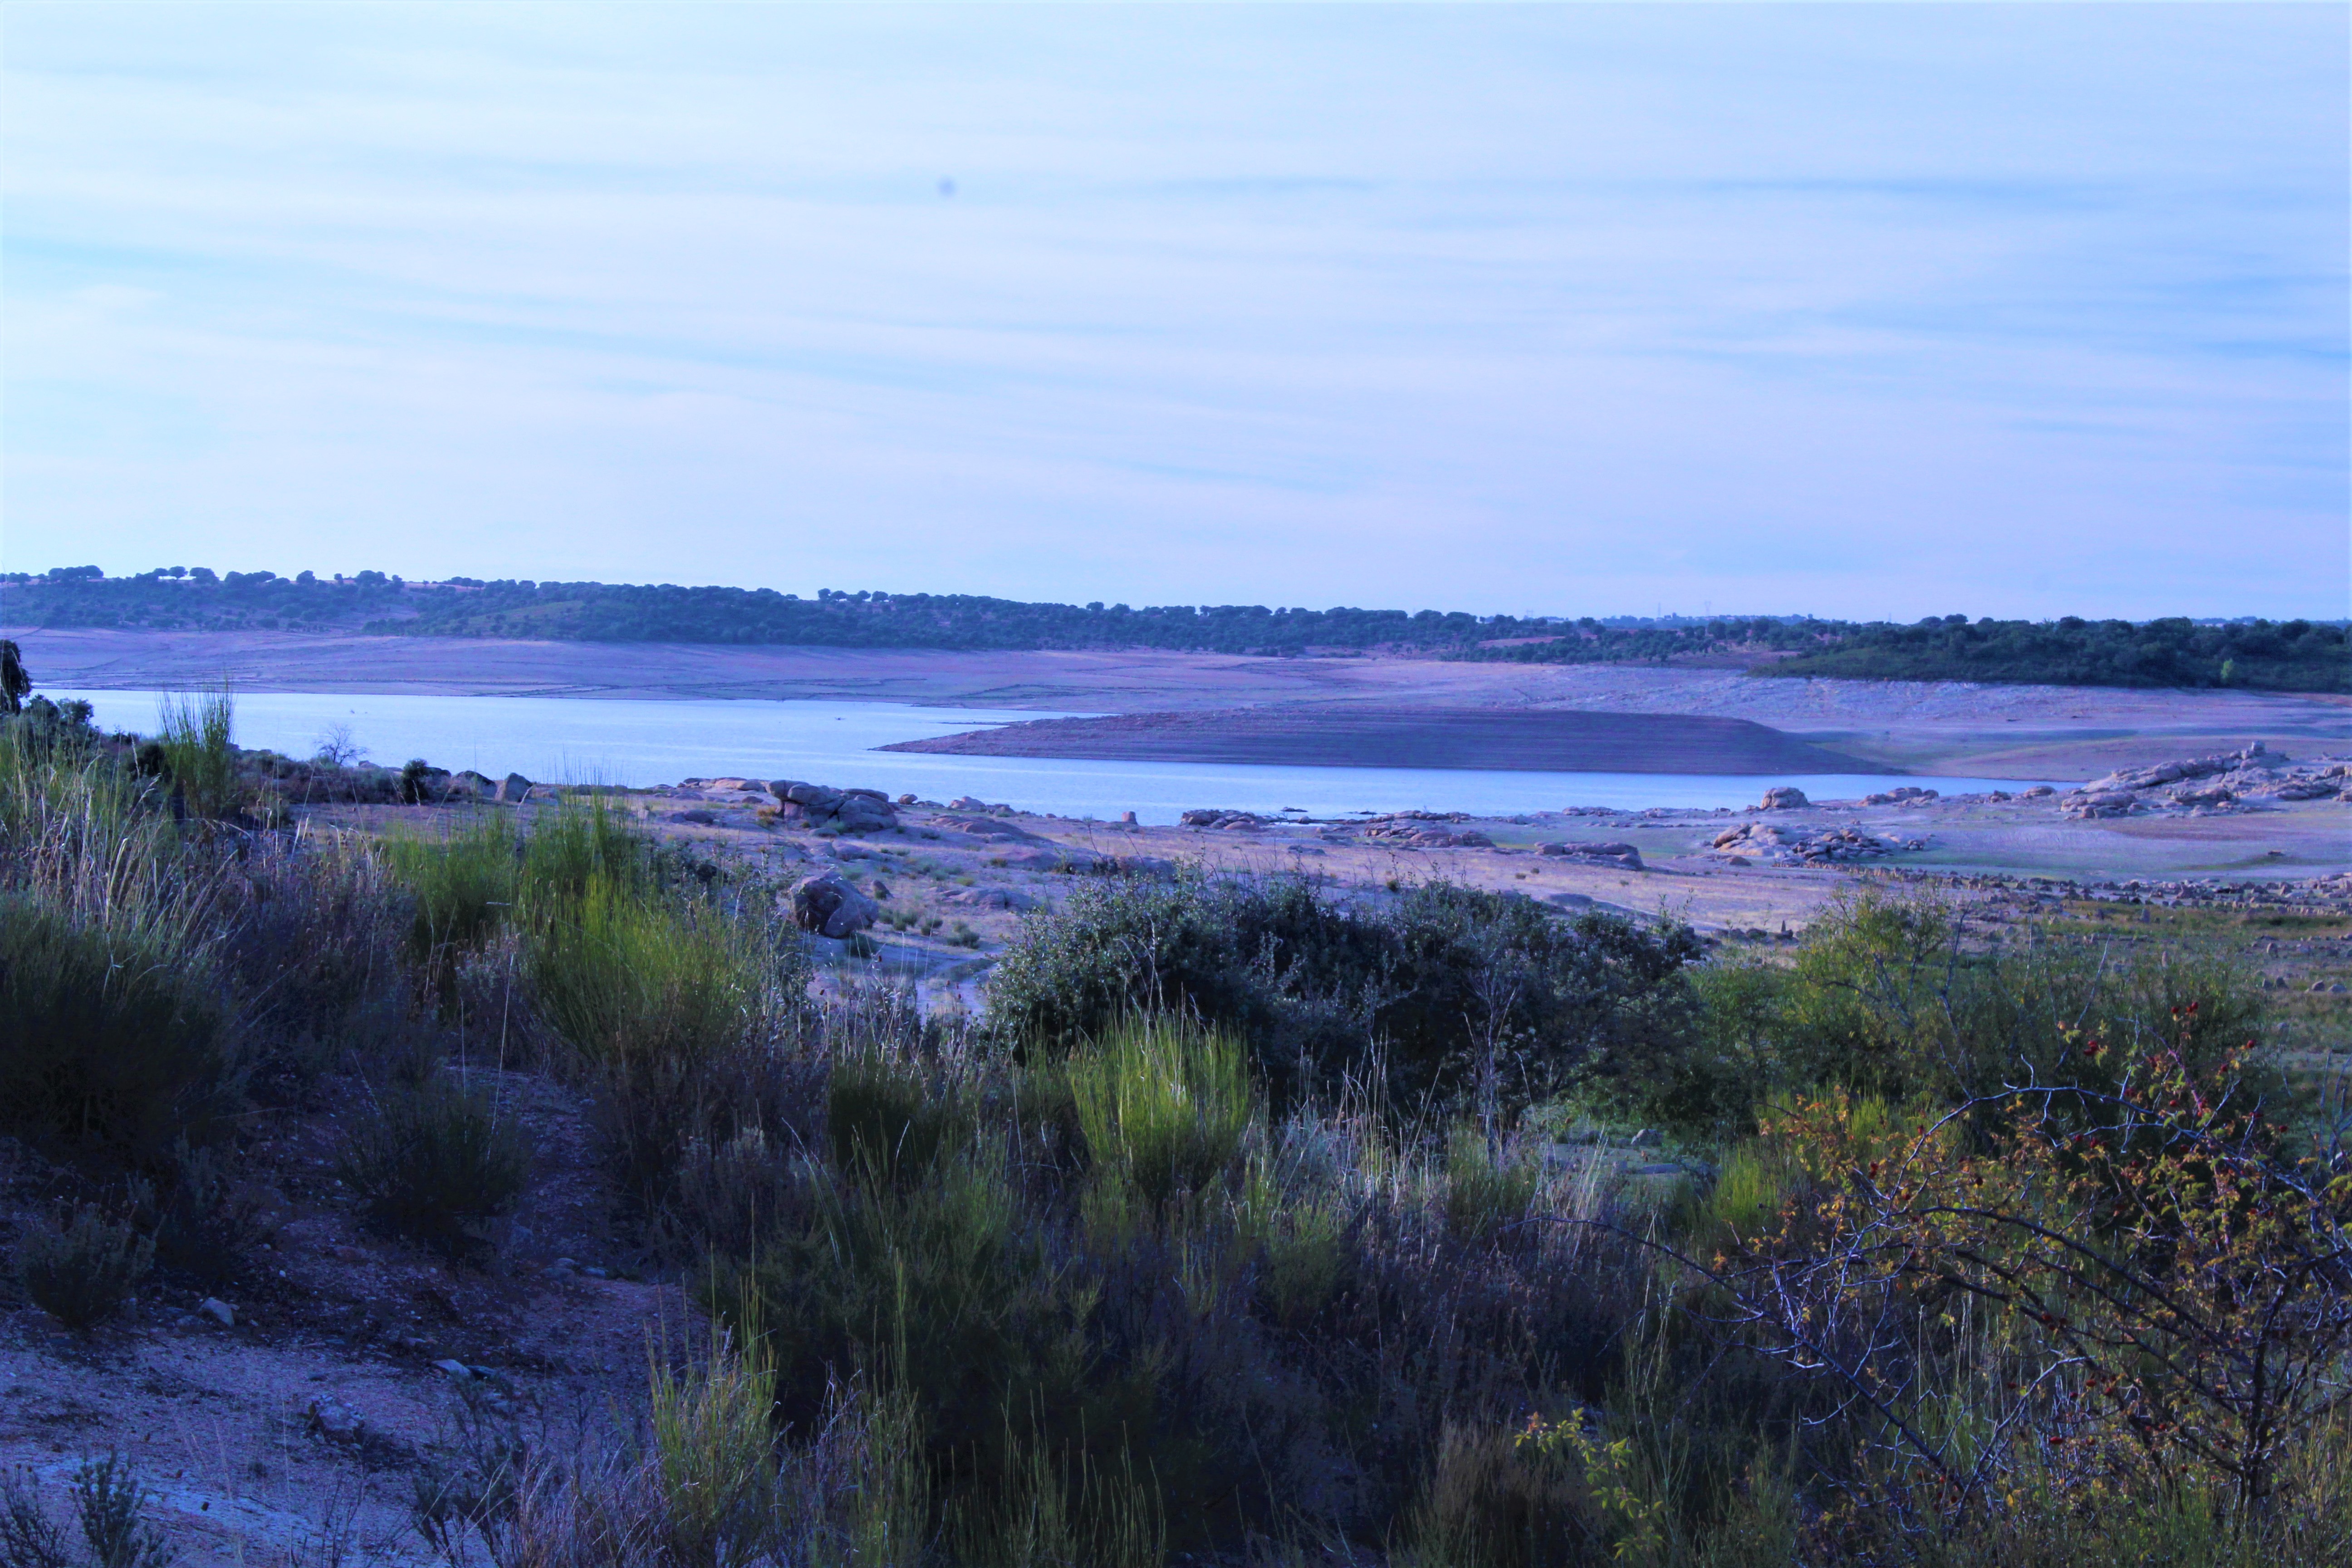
pixel 829 904
pixel 2200 786
pixel 1902 794
pixel 1797 846
pixel 843 810
pixel 1423 830
pixel 1623 855
pixel 1226 821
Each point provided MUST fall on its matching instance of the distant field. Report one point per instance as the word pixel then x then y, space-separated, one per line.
pixel 1338 735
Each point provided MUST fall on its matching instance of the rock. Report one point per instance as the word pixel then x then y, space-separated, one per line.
pixel 218 1310
pixel 343 1254
pixel 470 783
pixel 1596 852
pixel 881 889
pixel 2037 793
pixel 1572 901
pixel 1219 817
pixel 1661 1169
pixel 513 790
pixel 2099 804
pixel 844 810
pixel 1783 797
pixel 456 1370
pixel 699 816
pixel 828 905
pixel 991 898
pixel 907 799
pixel 331 1419
pixel 1902 794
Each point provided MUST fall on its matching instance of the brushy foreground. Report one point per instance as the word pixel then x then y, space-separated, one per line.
pixel 1258 1223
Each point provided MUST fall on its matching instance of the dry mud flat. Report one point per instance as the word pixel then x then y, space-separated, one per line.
pixel 1395 736
pixel 1987 731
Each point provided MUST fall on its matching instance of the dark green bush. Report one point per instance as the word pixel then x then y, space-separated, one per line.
pixel 436 1164
pixel 79 1272
pixel 110 1047
pixel 1431 984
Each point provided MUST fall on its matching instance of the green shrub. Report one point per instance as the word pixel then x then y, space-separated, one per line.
pixel 714 1459
pixel 435 1164
pixel 112 1046
pixel 464 884
pixel 1163 1106
pixel 626 975
pixel 198 758
pixel 78 1273
pixel 889 1117
pixel 1431 986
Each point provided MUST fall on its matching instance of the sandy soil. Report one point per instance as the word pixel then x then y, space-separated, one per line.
pixel 1388 736
pixel 2000 732
pixel 223 1421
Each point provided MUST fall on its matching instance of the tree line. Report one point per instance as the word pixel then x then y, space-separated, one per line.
pixel 2175 651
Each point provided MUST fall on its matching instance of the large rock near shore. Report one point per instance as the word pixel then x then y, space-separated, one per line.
pixel 844 810
pixel 828 905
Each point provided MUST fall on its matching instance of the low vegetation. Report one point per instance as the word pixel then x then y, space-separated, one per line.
pixel 1256 1223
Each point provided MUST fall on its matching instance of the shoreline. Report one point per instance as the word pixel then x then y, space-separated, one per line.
pixel 1948 729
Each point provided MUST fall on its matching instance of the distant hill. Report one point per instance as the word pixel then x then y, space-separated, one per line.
pixel 2289 655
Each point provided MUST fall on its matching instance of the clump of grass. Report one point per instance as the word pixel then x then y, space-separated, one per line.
pixel 465 883
pixel 625 976
pixel 436 1164
pixel 888 1116
pixel 195 732
pixel 1487 1186
pixel 112 1046
pixel 79 1272
pixel 1163 1105
pixel 714 1459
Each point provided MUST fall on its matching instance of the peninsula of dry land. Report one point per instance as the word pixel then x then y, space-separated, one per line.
pixel 1548 740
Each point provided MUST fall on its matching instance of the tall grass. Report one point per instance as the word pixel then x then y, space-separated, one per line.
pixel 465 883
pixel 631 979
pixel 1163 1105
pixel 195 730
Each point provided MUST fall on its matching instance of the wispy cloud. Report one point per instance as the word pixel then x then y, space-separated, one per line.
pixel 1887 309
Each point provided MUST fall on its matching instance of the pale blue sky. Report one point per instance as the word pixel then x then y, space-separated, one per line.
pixel 1863 309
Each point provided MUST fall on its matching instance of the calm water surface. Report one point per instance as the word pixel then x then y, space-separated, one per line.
pixel 626 742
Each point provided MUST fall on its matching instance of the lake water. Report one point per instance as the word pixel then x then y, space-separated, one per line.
pixel 623 741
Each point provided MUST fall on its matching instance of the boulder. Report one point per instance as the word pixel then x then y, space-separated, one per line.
pixel 2039 792
pixel 828 905
pixel 470 783
pixel 1902 794
pixel 514 789
pixel 1610 854
pixel 1784 797
pixel 844 810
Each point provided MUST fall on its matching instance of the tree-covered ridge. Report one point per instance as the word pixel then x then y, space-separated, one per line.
pixel 2268 656
pixel 2290 655
pixel 2175 651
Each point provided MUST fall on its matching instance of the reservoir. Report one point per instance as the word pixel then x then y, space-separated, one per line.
pixel 553 740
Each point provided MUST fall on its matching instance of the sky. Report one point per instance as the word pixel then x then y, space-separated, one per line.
pixel 1874 311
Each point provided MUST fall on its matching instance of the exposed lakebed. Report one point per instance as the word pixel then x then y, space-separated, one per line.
pixel 633 742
